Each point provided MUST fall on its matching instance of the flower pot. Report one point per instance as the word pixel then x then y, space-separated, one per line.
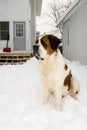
pixel 7 49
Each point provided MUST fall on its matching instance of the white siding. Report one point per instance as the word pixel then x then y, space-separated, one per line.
pixel 78 35
pixel 66 40
pixel 12 11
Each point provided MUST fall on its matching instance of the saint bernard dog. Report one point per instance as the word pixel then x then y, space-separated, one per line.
pixel 55 74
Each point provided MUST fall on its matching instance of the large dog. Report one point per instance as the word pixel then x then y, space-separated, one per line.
pixel 55 74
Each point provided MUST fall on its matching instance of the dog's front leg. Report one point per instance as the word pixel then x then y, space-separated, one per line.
pixel 58 99
pixel 46 95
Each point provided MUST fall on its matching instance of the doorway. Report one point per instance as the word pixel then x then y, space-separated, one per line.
pixel 19 35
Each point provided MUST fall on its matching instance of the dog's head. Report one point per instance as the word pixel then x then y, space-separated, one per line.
pixel 46 46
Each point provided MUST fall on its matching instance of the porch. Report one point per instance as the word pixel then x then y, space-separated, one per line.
pixel 15 57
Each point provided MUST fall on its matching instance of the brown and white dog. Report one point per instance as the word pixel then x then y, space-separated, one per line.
pixel 55 74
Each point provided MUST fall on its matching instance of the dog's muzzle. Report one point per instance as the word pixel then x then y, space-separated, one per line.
pixel 36 52
pixel 35 49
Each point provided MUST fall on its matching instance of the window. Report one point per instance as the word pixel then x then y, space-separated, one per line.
pixel 4 30
pixel 19 30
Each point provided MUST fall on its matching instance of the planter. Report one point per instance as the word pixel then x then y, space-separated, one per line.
pixel 7 49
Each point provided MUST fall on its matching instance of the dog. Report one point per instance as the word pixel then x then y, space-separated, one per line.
pixel 55 74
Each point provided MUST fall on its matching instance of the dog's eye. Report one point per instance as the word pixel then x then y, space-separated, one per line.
pixel 44 44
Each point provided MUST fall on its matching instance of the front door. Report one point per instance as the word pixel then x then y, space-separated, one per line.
pixel 19 36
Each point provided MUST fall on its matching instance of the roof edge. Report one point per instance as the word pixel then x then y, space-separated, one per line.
pixel 74 4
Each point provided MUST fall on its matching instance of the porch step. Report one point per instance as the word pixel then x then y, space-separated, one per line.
pixel 14 57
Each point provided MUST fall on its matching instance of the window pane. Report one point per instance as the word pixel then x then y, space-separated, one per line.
pixel 19 30
pixel 4 26
pixel 4 35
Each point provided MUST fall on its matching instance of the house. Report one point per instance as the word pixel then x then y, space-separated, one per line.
pixel 74 25
pixel 17 23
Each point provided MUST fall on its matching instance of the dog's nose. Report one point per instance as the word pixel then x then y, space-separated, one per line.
pixel 35 48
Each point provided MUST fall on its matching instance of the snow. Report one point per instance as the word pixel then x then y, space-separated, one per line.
pixel 21 105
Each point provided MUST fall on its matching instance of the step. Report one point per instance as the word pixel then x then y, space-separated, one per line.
pixel 14 57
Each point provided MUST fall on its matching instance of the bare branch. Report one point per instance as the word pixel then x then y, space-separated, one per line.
pixel 56 10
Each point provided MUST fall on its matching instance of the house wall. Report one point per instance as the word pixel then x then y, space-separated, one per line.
pixel 76 48
pixel 13 11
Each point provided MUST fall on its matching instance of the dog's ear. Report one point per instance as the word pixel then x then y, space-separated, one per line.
pixel 54 41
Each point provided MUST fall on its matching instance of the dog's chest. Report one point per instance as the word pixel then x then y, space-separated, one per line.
pixel 51 71
pixel 46 69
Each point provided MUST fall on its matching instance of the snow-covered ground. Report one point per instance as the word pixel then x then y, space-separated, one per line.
pixel 21 105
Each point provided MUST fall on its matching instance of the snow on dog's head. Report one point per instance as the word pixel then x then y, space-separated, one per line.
pixel 46 46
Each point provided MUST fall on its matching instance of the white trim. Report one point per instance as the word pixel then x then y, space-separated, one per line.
pixel 68 11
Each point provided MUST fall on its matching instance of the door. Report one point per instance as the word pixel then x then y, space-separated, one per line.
pixel 19 36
